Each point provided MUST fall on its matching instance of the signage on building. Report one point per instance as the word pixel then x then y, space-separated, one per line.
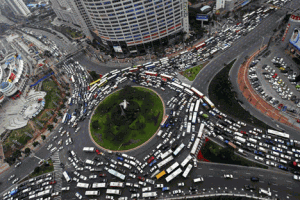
pixel 295 40
pixel 185 8
pixel 118 49
pixel 202 17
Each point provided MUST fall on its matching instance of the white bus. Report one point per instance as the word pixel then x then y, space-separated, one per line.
pixel 125 69
pixel 89 162
pixel 99 185
pixel 166 154
pixel 238 134
pixel 117 174
pixel 186 160
pixel 172 167
pixel 177 85
pixel 178 149
pixel 279 134
pixel 195 146
pixel 197 92
pixel 165 161
pixel 113 191
pixel 116 184
pixel 192 107
pixel 83 185
pixel 67 177
pixel 89 149
pixel 237 138
pixel 72 78
pixel 173 175
pixel 187 170
pixel 188 91
pixel 43 193
pixel 197 105
pixel 189 126
pixel 92 193
pixel 201 129
pixel 194 119
pixel 149 194
pixel 206 99
pixel 252 140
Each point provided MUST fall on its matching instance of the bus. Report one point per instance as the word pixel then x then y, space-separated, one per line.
pixel 65 119
pixel 89 149
pixel 168 77
pixel 279 134
pixel 155 173
pixel 195 146
pixel 117 174
pixel 99 185
pixel 200 132
pixel 113 191
pixel 197 105
pixel 265 192
pixel 150 73
pixel 206 99
pixel 149 194
pixel 197 92
pixel 172 167
pixel 187 170
pixel 199 46
pixel 194 119
pixel 166 154
pixel 122 80
pixel 178 149
pixel 116 184
pixel 83 185
pixel 192 107
pixel 184 52
pixel 151 66
pixel 238 134
pixel 161 174
pixel 102 82
pixel 186 160
pixel 186 85
pixel 189 126
pixel 173 175
pixel 252 140
pixel 125 69
pixel 240 139
pixel 148 63
pixel 92 193
pixel 72 78
pixel 165 161
pixel 70 101
pixel 43 193
pixel 177 86
pixel 112 77
pixel 188 91
pixel 116 71
pixel 67 177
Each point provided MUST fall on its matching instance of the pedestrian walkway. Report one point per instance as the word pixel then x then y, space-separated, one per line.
pixel 57 174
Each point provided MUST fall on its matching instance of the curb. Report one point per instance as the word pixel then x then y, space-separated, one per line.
pixel 124 151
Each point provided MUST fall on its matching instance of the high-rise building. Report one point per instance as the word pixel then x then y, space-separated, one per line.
pixel 126 25
pixel 18 7
pixel 231 5
pixel 220 4
pixel 130 25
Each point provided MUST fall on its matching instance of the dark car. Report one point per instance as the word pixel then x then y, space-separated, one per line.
pixel 252 187
pixel 246 187
pixel 133 190
pixel 254 179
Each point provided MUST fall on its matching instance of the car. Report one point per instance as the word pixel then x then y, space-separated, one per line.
pixel 254 179
pixel 15 180
pixel 133 190
pixel 75 179
pixel 93 176
pixel 52 182
pixel 247 187
pixel 177 191
pixel 181 184
pixel 159 185
pixel 296 177
pixel 165 189
pixel 141 178
pixel 282 167
pixel 18 164
pixel 228 176
pixel 11 177
pixel 78 195
pixel 102 175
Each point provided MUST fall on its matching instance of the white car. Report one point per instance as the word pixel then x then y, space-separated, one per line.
pixel 271 163
pixel 77 129
pixel 132 175
pixel 177 191
pixel 60 142
pixel 75 179
pixel 49 146
pixel 159 186
pixel 229 176
pixel 259 158
pixel 271 157
pixel 94 176
pixel 78 195
pixel 145 189
pixel 15 181
pixel 11 177
pixel 181 184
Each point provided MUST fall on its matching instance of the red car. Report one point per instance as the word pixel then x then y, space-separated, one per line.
pixel 150 159
pixel 52 182
pixel 275 75
pixel 244 132
pixel 141 178
pixel 102 175
pixel 298 120
pixel 99 152
pixel 280 106
pixel 219 116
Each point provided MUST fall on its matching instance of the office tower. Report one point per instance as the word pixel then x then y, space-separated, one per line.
pixel 18 7
pixel 130 25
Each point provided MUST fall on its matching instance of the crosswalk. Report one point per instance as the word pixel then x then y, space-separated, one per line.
pixel 57 174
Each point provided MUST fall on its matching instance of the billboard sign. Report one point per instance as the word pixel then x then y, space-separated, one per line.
pixel 295 39
pixel 118 49
pixel 202 17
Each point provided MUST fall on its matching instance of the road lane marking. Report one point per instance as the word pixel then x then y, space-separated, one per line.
pixel 260 175
pixel 274 177
pixel 211 169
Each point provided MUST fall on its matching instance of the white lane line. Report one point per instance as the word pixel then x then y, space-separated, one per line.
pixel 260 175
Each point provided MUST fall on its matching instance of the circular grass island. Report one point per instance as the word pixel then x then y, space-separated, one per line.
pixel 117 127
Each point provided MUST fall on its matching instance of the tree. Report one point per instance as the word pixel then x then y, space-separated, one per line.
pixel 95 124
pixel 43 137
pixel 17 154
pixel 35 143
pixel 37 170
pixel 60 114
pixel 50 127
pixel 235 16
pixel 55 120
pixel 27 150
pixel 94 75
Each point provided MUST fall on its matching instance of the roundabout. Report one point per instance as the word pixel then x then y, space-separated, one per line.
pixel 126 119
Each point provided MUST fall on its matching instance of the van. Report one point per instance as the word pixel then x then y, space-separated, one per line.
pixel 200 179
pixel 283 161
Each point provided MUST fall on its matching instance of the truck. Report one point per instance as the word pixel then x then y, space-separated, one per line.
pixel 205 106
pixel 230 144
